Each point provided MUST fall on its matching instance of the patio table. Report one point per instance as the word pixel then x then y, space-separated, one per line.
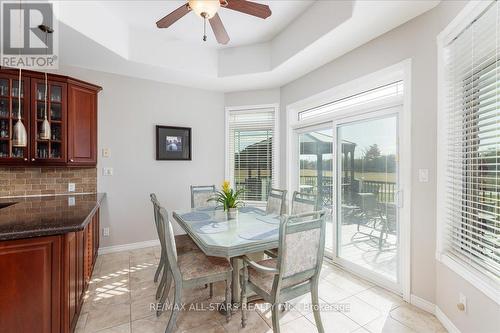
pixel 250 232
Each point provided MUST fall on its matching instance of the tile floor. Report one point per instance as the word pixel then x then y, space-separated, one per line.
pixel 121 291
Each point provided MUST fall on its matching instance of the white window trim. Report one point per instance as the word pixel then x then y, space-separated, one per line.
pixel 473 276
pixel 276 140
pixel 396 72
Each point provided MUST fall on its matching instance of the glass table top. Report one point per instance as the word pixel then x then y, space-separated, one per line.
pixel 211 229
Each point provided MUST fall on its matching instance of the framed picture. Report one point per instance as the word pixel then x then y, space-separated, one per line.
pixel 173 143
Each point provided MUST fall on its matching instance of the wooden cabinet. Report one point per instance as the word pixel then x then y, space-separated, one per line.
pixel 70 106
pixel 43 280
pixel 82 125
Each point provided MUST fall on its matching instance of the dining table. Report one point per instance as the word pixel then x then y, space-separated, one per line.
pixel 251 231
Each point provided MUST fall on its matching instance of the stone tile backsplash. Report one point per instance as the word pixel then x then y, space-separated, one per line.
pixel 46 180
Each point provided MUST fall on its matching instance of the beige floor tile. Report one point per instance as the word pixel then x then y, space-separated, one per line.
pixel 303 304
pixel 143 307
pixel 335 322
pixel 142 289
pixel 125 328
pixel 139 274
pixel 112 269
pixel 107 316
pixel 361 330
pixel 385 324
pixel 381 299
pixel 348 282
pixel 82 320
pixel 265 311
pixel 416 319
pixel 210 327
pixel 299 325
pixel 255 323
pixel 331 293
pixel 195 315
pixel 360 312
pixel 150 324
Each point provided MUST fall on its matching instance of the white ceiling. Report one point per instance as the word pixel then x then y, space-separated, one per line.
pixel 242 29
pixel 121 37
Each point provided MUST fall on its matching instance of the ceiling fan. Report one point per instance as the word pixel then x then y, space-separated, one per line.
pixel 207 9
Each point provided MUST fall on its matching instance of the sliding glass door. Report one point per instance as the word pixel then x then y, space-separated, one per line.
pixel 367 228
pixel 316 172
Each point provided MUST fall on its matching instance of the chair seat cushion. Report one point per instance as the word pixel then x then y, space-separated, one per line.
pixel 195 265
pixel 184 244
pixel 262 280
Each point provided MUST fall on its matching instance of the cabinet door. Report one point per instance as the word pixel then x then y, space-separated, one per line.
pixel 70 306
pixel 9 116
pixel 30 285
pixel 82 126
pixel 80 266
pixel 50 104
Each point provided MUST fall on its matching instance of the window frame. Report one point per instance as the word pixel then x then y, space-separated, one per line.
pixel 480 280
pixel 276 143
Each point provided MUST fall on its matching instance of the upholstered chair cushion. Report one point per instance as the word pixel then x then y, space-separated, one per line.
pixel 200 199
pixel 184 244
pixel 301 207
pixel 301 251
pixel 196 264
pixel 274 205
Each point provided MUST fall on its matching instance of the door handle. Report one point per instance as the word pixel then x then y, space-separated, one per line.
pixel 399 198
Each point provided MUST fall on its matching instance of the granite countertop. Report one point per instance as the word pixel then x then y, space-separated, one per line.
pixel 26 217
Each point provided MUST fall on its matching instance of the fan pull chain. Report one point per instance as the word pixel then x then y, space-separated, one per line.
pixel 205 28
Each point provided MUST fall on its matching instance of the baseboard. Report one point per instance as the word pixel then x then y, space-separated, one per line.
pixel 423 304
pixel 446 322
pixel 130 246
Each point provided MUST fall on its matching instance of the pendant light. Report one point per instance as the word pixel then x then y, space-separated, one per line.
pixel 45 129
pixel 19 135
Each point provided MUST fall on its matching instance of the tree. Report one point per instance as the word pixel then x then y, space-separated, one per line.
pixel 372 153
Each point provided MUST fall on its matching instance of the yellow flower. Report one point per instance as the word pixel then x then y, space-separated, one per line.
pixel 226 186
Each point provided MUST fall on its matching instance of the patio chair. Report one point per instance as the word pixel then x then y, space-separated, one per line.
pixel 296 270
pixel 189 270
pixel 200 195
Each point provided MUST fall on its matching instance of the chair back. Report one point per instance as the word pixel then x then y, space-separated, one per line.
pixel 156 211
pixel 167 242
pixel 200 196
pixel 276 202
pixel 303 203
pixel 301 248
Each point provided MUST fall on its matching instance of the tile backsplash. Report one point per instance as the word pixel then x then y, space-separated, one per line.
pixel 46 180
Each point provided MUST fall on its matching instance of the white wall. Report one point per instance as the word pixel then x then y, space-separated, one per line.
pixel 416 40
pixel 129 109
pixel 254 97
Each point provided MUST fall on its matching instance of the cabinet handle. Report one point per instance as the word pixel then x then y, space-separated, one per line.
pixel 32 160
pixel 25 159
pixel 71 160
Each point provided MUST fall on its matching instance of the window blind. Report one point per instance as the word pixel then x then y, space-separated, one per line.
pixel 472 232
pixel 252 152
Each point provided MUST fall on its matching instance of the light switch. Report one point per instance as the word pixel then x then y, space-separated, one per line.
pixel 107 171
pixel 71 201
pixel 71 187
pixel 105 152
pixel 423 175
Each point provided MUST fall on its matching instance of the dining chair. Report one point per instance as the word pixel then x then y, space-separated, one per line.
pixel 200 196
pixel 303 203
pixel 183 243
pixel 276 201
pixel 294 272
pixel 189 270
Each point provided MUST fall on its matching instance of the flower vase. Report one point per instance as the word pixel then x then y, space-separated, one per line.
pixel 232 213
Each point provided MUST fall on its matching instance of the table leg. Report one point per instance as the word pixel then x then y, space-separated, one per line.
pixel 236 290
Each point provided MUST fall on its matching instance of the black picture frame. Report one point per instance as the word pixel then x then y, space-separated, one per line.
pixel 173 143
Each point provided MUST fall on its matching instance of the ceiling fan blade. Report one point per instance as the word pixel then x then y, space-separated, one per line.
pixel 219 30
pixel 171 18
pixel 249 7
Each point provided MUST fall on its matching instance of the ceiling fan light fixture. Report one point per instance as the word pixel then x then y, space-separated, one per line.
pixel 205 8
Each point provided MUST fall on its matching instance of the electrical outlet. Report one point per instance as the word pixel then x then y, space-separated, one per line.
pixel 71 201
pixel 105 232
pixel 105 152
pixel 462 302
pixel 71 187
pixel 107 171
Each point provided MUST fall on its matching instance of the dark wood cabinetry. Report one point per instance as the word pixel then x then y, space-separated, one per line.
pixel 43 280
pixel 71 110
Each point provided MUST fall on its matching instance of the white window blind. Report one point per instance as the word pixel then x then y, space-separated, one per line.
pixel 472 232
pixel 390 90
pixel 252 152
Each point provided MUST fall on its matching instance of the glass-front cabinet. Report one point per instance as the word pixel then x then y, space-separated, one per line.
pixel 52 106
pixel 10 113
